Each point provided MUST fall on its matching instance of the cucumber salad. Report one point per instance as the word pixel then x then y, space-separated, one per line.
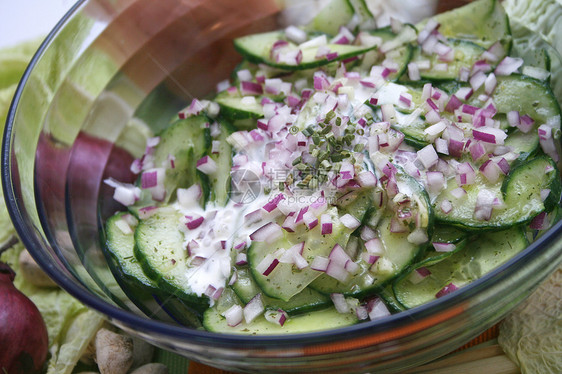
pixel 343 173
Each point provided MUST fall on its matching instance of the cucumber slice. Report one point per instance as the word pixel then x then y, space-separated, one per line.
pixel 528 96
pixel 448 234
pixel 285 281
pixel 335 14
pixel 187 140
pixel 526 144
pixel 219 181
pixel 400 55
pixel 257 49
pixel 324 319
pixel 483 21
pixel 398 254
pixel 120 245
pixel 521 192
pixel 482 255
pixel 466 53
pixel 160 250
pixel 388 297
pixel 305 301
pixel 236 107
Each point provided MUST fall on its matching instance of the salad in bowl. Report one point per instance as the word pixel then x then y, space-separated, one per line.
pixel 344 173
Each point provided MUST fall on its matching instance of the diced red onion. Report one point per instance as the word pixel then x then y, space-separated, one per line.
pixel 435 181
pixel 465 174
pixel 194 223
pixel 253 217
pixel 427 156
pixel 446 206
pixel 271 205
pixel 419 275
pixel 491 171
pixel 513 118
pixel 484 205
pixel 253 309
pixel 268 233
pixel 207 165
pixel 446 290
pixel 241 259
pixel 458 193
pixel 310 220
pixel 526 123
pixel 490 83
pixel 414 71
pixel 508 65
pixel 464 74
pixel 455 147
pixel 320 263
pixel 374 246
pixel 546 141
pixel 326 224
pixel 349 221
pixel 476 150
pixel 453 104
pixel 377 309
pixel 295 34
pixel 489 135
pixel 234 315
pixel 250 88
pixel 337 271
pixel 432 116
pixel 477 80
pixel 277 317
pixel 340 303
pixel 367 179
pixel 539 222
pixel 444 247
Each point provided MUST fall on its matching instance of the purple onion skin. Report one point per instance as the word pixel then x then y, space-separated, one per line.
pixel 23 334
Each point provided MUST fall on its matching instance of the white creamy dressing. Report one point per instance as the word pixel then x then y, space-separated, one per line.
pixel 227 226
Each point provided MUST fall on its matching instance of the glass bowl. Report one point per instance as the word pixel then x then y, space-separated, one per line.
pixel 80 115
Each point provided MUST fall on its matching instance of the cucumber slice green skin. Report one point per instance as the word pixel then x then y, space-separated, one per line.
pixel 482 21
pixel 521 190
pixel 432 257
pixel 307 300
pixel 399 252
pixel 285 281
pixel 121 247
pixel 324 319
pixel 159 250
pixel 443 234
pixel 233 108
pixel 448 234
pixel 256 48
pixel 140 287
pixel 484 254
pixel 513 92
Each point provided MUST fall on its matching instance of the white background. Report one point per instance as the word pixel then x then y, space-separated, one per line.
pixel 22 20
